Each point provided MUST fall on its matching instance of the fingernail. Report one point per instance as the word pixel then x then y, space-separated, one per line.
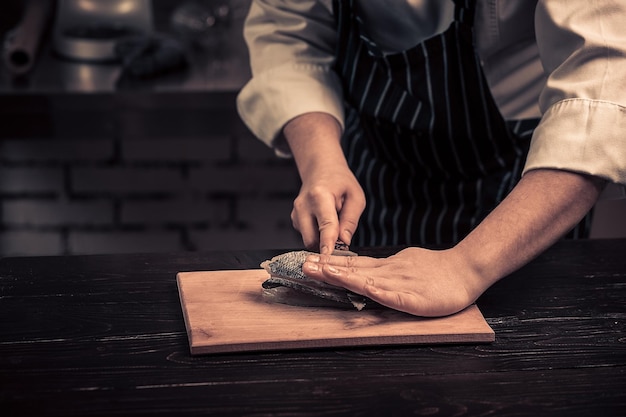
pixel 313 258
pixel 332 269
pixel 312 267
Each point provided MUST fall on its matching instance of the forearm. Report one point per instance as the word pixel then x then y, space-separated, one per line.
pixel 544 206
pixel 315 141
pixel 331 200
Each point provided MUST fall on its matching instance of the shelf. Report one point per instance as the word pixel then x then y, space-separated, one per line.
pixel 220 66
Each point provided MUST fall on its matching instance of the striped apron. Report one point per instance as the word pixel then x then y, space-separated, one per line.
pixel 423 135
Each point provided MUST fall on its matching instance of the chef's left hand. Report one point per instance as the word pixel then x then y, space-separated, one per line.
pixel 417 281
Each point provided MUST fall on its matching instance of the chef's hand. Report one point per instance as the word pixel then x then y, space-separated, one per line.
pixel 328 207
pixel 331 200
pixel 543 206
pixel 417 281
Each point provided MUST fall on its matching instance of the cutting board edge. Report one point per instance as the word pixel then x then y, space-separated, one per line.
pixel 397 341
pixel 185 314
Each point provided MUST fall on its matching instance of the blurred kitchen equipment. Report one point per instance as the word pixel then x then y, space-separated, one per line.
pixel 148 56
pixel 21 44
pixel 202 23
pixel 88 30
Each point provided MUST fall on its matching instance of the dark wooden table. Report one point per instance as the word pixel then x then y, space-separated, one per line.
pixel 104 335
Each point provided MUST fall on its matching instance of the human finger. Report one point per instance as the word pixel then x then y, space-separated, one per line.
pixel 321 266
pixel 340 276
pixel 349 216
pixel 361 263
pixel 306 225
pixel 328 224
pixel 328 237
pixel 376 288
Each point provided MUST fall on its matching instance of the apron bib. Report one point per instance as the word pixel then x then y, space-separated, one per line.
pixel 423 135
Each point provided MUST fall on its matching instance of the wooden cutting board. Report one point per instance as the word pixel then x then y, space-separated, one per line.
pixel 225 311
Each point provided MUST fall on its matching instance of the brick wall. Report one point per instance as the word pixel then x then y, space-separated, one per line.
pixel 88 174
pixel 137 173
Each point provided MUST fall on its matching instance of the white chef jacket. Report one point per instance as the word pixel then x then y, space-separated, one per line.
pixel 561 60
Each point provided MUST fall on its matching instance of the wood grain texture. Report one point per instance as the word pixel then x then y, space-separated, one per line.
pixel 105 336
pixel 225 312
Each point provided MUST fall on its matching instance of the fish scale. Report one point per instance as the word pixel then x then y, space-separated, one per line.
pixel 287 265
pixel 285 271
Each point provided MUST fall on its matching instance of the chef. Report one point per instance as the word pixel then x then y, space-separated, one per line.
pixel 476 132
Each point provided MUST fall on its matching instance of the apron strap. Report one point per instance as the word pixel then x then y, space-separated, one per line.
pixel 464 11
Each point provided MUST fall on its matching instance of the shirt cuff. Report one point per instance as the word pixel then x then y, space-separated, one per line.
pixel 581 135
pixel 271 99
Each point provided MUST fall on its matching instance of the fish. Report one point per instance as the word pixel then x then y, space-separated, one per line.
pixel 287 283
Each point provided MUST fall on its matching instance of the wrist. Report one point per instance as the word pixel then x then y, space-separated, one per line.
pixel 543 206
pixel 475 280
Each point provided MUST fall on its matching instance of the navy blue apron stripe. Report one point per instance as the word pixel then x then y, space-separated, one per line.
pixel 476 215
pixel 368 86
pixel 396 112
pixel 443 211
pixel 466 106
pixel 459 211
pixel 382 98
pixel 373 203
pixel 397 224
pixel 431 101
pixel 409 84
pixel 464 11
pixel 487 114
pixel 459 154
pixel 353 72
pixel 384 189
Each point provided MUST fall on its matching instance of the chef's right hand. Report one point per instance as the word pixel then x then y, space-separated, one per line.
pixel 328 208
pixel 331 200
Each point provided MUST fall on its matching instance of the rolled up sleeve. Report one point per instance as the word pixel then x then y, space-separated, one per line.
pixel 291 48
pixel 582 44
